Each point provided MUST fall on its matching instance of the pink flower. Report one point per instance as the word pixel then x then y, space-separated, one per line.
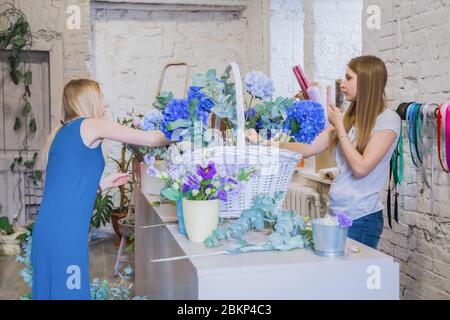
pixel 136 123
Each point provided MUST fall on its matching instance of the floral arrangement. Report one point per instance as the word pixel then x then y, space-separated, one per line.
pixel 183 117
pixel 275 118
pixel 202 182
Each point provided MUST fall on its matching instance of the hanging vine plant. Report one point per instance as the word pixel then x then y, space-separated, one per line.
pixel 17 37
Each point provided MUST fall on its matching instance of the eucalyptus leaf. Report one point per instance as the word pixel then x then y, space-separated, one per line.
pixel 180 123
pixel 32 125
pixel 28 77
pixel 17 124
pixel 171 194
pixel 26 108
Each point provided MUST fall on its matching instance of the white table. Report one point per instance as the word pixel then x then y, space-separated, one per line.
pixel 298 274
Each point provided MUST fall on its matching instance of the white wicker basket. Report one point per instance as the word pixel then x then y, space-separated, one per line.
pixel 276 165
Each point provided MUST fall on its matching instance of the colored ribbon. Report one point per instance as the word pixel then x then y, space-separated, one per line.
pixel 447 135
pixel 439 132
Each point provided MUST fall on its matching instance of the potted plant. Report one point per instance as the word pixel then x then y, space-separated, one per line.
pixel 102 211
pixel 126 229
pixel 9 238
pixel 199 189
pixel 121 211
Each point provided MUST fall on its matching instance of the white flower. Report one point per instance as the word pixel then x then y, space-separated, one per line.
pixel 194 192
pixel 185 146
pixel 208 191
pixel 227 188
pixel 175 186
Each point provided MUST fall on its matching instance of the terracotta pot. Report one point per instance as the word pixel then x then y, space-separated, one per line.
pixel 115 217
pixel 125 229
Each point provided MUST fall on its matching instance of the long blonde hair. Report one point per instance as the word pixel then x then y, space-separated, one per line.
pixel 81 98
pixel 370 99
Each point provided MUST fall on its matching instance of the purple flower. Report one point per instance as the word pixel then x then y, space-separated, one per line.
pixel 222 195
pixel 344 220
pixel 191 182
pixel 230 180
pixel 208 172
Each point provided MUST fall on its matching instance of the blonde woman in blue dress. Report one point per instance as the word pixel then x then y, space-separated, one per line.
pixel 74 166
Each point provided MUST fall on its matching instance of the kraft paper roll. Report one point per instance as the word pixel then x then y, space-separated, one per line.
pixel 329 173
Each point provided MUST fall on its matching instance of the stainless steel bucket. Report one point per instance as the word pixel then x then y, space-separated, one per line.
pixel 329 240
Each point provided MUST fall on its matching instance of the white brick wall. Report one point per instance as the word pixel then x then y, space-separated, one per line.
pixel 414 42
pixel 47 20
pixel 332 37
pixel 131 47
pixel 286 34
pixel 320 35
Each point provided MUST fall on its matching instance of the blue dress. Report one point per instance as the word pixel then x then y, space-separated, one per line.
pixel 59 254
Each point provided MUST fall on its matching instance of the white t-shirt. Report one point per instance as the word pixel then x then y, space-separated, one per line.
pixel 360 197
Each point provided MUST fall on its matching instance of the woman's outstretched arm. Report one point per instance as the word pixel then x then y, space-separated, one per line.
pixel 94 129
pixel 319 145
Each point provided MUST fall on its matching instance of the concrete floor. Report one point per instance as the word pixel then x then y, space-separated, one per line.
pixel 102 257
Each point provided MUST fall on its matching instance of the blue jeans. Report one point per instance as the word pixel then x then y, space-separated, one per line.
pixel 368 229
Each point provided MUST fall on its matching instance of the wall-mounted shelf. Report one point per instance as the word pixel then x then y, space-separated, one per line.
pixel 173 5
pixel 308 173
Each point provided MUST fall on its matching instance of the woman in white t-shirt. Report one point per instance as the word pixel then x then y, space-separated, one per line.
pixel 365 138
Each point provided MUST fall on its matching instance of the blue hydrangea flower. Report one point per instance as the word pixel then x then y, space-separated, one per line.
pixel 152 120
pixel 259 85
pixel 176 109
pixel 205 103
pixel 305 121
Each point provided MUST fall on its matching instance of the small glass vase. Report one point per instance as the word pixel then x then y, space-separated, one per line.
pixel 181 226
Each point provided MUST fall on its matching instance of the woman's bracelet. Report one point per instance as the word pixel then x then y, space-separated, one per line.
pixel 343 136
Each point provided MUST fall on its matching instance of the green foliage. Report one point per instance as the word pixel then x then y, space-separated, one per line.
pixel 271 113
pixel 289 229
pixel 221 91
pixel 18 38
pixel 117 291
pixel 102 210
pixel 163 100
pixel 130 248
pixel 5 227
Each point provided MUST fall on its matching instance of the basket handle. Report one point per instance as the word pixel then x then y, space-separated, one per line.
pixel 240 110
pixel 163 74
